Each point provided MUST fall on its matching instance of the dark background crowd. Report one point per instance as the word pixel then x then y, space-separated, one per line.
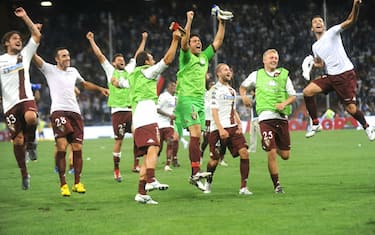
pixel 257 26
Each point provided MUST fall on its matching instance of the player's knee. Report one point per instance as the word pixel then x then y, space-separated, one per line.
pixel 285 154
pixel 351 108
pixel 31 118
pixel 244 154
pixel 307 92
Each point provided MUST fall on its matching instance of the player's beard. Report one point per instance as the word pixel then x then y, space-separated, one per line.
pixel 120 67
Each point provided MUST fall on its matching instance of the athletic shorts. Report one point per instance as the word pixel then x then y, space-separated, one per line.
pixel 190 111
pixel 275 134
pixel 344 84
pixel 166 134
pixel 69 125
pixel 15 117
pixel 144 137
pixel 234 142
pixel 121 124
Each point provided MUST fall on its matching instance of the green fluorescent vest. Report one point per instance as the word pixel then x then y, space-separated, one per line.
pixel 141 87
pixel 119 97
pixel 271 90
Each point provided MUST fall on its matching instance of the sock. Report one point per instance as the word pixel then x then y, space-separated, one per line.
pixel 116 160
pixel 61 166
pixel 169 152
pixel 77 163
pixel 244 171
pixel 194 155
pixel 175 151
pixel 358 115
pixel 275 180
pixel 150 175
pixel 19 154
pixel 211 168
pixel 311 108
pixel 141 187
pixel 29 135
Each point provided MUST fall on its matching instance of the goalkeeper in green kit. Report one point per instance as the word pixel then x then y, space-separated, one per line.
pixel 191 80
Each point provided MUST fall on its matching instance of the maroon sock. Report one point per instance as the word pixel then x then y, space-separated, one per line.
pixel 78 164
pixel 169 152
pixel 358 115
pixel 175 149
pixel 29 133
pixel 61 165
pixel 194 155
pixel 211 168
pixel 141 187
pixel 311 108
pixel 244 171
pixel 116 162
pixel 19 154
pixel 275 180
pixel 150 175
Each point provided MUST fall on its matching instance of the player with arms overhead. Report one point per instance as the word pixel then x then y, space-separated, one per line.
pixel 144 97
pixel 191 81
pixel 17 97
pixel 329 52
pixel 119 99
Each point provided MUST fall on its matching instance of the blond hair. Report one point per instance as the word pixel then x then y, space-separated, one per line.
pixel 270 51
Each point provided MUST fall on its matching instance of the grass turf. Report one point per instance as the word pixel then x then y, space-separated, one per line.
pixel 329 184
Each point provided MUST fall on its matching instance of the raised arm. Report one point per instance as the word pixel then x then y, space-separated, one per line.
pixel 186 37
pixel 38 60
pixel 35 33
pixel 99 54
pixel 142 45
pixel 353 16
pixel 219 37
pixel 170 54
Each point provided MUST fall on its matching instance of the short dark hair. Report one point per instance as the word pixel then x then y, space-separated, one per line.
pixel 58 49
pixel 317 16
pixel 194 35
pixel 7 36
pixel 116 55
pixel 141 58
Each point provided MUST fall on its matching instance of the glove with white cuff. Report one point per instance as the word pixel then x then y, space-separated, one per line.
pixel 221 14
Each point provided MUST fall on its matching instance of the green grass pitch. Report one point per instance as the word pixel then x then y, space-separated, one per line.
pixel 329 183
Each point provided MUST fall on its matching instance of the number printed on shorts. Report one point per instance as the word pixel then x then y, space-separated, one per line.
pixel 121 129
pixel 11 122
pixel 60 121
pixel 267 135
pixel 11 119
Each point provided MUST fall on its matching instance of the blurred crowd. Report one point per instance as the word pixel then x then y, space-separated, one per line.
pixel 257 26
